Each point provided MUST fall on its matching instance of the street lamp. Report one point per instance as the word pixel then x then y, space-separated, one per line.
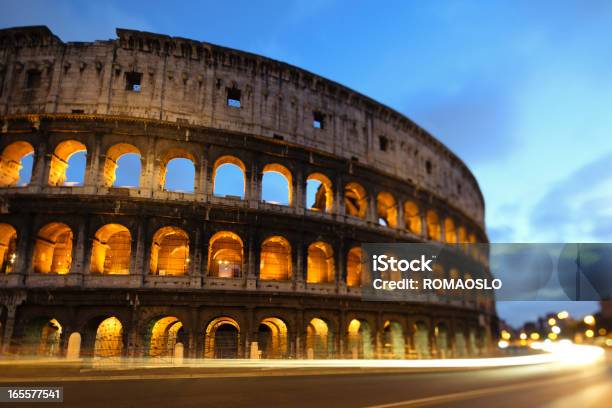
pixel 589 333
pixel 552 322
pixel 556 329
pixel 563 315
pixel 589 319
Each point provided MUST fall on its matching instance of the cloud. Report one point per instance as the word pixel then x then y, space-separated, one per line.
pixel 475 120
pixel 578 207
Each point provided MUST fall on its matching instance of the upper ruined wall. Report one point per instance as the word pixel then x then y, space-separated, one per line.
pixel 187 81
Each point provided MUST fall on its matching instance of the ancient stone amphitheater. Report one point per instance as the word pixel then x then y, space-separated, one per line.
pixel 93 268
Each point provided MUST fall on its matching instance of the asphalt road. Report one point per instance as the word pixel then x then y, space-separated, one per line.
pixel 532 386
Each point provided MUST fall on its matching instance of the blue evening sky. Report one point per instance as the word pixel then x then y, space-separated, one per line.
pixel 521 90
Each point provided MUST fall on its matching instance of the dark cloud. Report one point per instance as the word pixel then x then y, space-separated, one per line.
pixel 475 122
pixel 578 205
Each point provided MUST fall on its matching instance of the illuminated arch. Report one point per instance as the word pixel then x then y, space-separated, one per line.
pixel 355 200
pixel 61 158
pixel 412 217
pixel 386 209
pixel 360 339
pixel 170 252
pixel 225 255
pixel 111 163
pixel 11 162
pixel 320 263
pixel 222 338
pixel 224 166
pixel 8 247
pixel 421 339
pixel 433 226
pixel 319 339
pixel 323 193
pixel 110 254
pixel 393 340
pixel 442 344
pixel 109 338
pixel 42 337
pixel 356 274
pixel 53 249
pixel 275 262
pixel 460 344
pixel 272 338
pixel 449 231
pixel 461 235
pixel 283 171
pixel 164 335
pixel 167 171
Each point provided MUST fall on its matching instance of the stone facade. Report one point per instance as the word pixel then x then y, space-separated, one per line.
pixel 166 98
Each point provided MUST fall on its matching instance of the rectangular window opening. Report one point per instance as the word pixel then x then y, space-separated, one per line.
pixel 33 79
pixel 383 143
pixel 318 120
pixel 233 97
pixel 133 81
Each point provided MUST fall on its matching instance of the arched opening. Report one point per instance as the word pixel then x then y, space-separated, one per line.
pixel 421 340
pixel 122 167
pixel 110 254
pixel 165 333
pixel 53 249
pixel 449 231
pixel 386 209
pixel 170 252
pixel 320 264
pixel 276 184
pixel 360 339
pixel 178 175
pixel 16 164
pixel 442 345
pixel 460 345
pixel 319 340
pixel 356 274
pixel 433 226
pixel 461 235
pixel 319 194
pixel 68 164
pixel 412 217
pixel 355 200
pixel 393 340
pixel 8 248
pixel 109 338
pixel 225 253
pixel 272 338
pixel 473 344
pixel 275 259
pixel 222 338
pixel 42 337
pixel 229 177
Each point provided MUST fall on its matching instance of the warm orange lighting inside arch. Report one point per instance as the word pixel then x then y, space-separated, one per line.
pixel 8 247
pixel 53 249
pixel 355 272
pixel 170 252
pixel 355 200
pixel 111 250
pixel 449 231
pixel 225 255
pixel 275 259
pixel 433 226
pixel 412 217
pixel 11 162
pixel 386 208
pixel 60 158
pixel 324 199
pixel 320 263
pixel 112 156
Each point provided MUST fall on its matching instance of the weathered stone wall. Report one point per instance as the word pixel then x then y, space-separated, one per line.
pixel 187 82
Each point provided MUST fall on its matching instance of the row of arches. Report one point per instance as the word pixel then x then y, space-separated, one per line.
pixel 111 252
pixel 170 255
pixel 122 168
pixel 166 337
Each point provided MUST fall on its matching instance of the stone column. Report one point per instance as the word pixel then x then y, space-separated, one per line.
pixel 138 264
pixel 42 165
pixel 92 168
pixel 11 301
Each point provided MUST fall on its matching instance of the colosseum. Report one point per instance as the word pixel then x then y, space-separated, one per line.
pixel 97 267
